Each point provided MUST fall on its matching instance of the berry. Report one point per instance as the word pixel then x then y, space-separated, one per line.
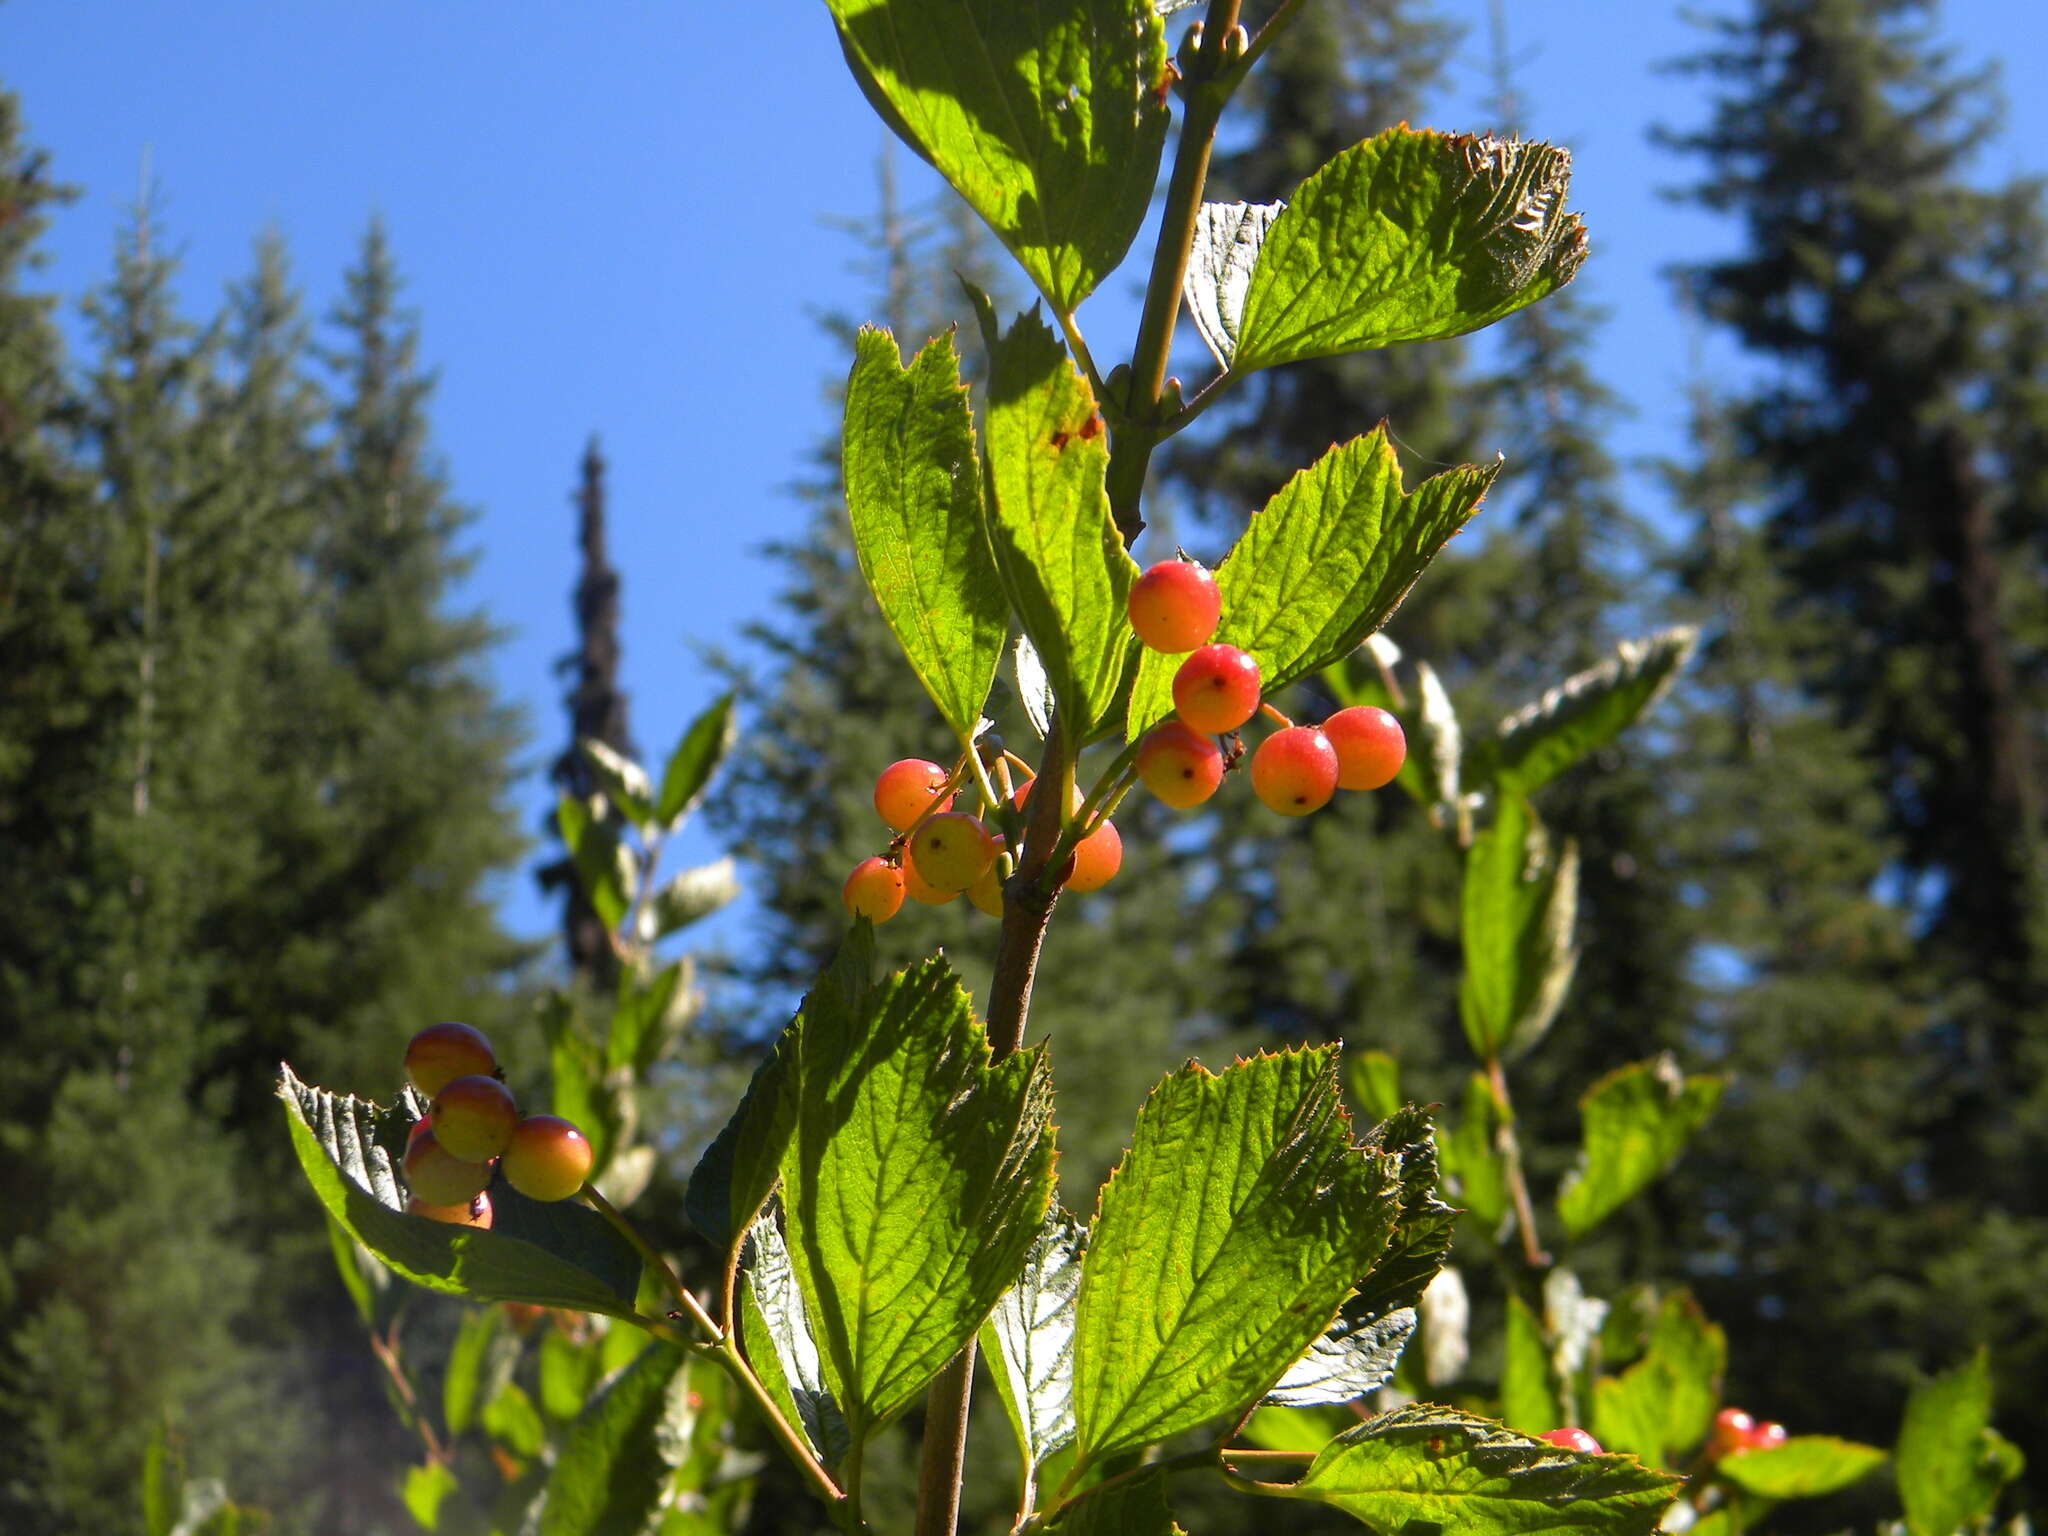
pixel 547 1158
pixel 1180 766
pixel 1370 746
pixel 1097 858
pixel 476 1213
pixel 473 1118
pixel 437 1177
pixel 1295 770
pixel 987 892
pixel 1768 1436
pixel 906 788
pixel 953 851
pixel 874 890
pixel 921 890
pixel 1572 1439
pixel 1734 1431
pixel 1216 689
pixel 419 1128
pixel 1175 605
pixel 440 1053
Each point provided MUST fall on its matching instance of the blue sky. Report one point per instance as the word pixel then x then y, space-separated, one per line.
pixel 612 218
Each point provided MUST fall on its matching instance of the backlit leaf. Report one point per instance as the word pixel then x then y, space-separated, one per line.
pixel 1804 1467
pixel 696 757
pixel 1029 1340
pixel 1636 1119
pixel 1950 1463
pixel 1585 712
pixel 610 1470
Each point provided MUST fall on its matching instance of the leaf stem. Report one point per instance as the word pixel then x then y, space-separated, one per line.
pixel 1511 1161
pixel 648 1253
pixel 1205 89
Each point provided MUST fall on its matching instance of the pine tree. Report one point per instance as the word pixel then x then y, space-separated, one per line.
pixel 1899 445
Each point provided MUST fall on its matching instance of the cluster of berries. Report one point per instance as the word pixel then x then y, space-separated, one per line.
pixel 1175 607
pixel 1736 1431
pixel 473 1126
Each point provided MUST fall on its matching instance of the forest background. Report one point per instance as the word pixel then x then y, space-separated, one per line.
pixel 271 774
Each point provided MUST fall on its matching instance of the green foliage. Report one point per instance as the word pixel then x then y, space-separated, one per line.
pixel 1520 904
pixel 913 496
pixel 1048 121
pixel 1663 1404
pixel 1586 711
pixel 612 1468
pixel 1409 237
pixel 1443 1468
pixel 1029 1341
pixel 1804 1467
pixel 1637 1119
pixel 1950 1463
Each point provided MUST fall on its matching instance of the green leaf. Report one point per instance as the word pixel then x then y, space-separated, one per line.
pixel 1584 713
pixel 1636 1119
pixel 1949 1462
pixel 1517 909
pixel 1134 1507
pixel 425 1490
pixel 696 757
pixel 1347 1362
pixel 1236 1223
pixel 1047 119
pixel 1410 237
pixel 1373 1079
pixel 1056 545
pixel 553 1255
pixel 1226 247
pixel 624 781
pixel 1469 1158
pixel 913 493
pixel 604 865
pixel 691 896
pixel 916 1176
pixel 1528 1401
pixel 1663 1405
pixel 1804 1467
pixel 1421 1237
pixel 363 1284
pixel 636 1035
pixel 511 1419
pixel 733 1178
pixel 465 1368
pixel 780 1344
pixel 610 1472
pixel 1295 1429
pixel 568 1371
pixel 1323 565
pixel 1428 1468
pixel 163 1475
pixel 1029 1340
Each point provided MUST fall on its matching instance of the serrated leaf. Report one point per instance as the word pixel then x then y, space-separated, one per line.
pixel 1804 1467
pixel 1585 712
pixel 694 894
pixel 1134 1507
pixel 1057 548
pixel 624 781
pixel 1322 565
pixel 1528 1400
pixel 1637 1119
pixel 913 494
pixel 1949 1463
pixel 1347 1362
pixel 553 1255
pixel 1048 120
pixel 916 1175
pixel 775 1317
pixel 1226 246
pixel 604 868
pixel 1663 1405
pixel 1029 1340
pixel 704 744
pixel 1410 236
pixel 1236 1223
pixel 1423 1226
pixel 610 1472
pixel 1428 1468
pixel 465 1368
pixel 1517 908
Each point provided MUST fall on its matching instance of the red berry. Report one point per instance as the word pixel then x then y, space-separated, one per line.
pixel 1175 605
pixel 1097 858
pixel 987 892
pixel 1179 765
pixel 874 890
pixel 921 890
pixel 1295 770
pixel 1216 689
pixel 1767 1436
pixel 476 1213
pixel 473 1118
pixel 547 1158
pixel 437 1177
pixel 905 789
pixel 1370 746
pixel 953 851
pixel 1572 1440
pixel 1733 1431
pixel 420 1127
pixel 440 1053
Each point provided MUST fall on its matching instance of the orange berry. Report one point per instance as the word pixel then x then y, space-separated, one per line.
pixel 547 1158
pixel 1294 771
pixel 987 892
pixel 953 850
pixel 921 890
pixel 1174 606
pixel 437 1177
pixel 1572 1439
pixel 473 1118
pixel 475 1213
pixel 1097 858
pixel 905 789
pixel 874 890
pixel 1179 765
pixel 440 1053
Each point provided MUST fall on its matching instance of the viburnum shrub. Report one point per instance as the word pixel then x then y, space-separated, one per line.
pixel 1262 1295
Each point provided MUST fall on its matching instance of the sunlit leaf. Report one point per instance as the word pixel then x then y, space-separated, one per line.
pixel 1637 1119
